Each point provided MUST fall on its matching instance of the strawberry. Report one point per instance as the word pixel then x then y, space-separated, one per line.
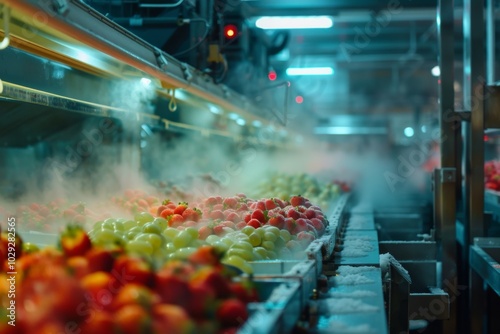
pixel 193 214
pixel 240 225
pixel 306 237
pixel 301 224
pixel 233 216
pixel 218 207
pixel 206 255
pixel 292 213
pixel 290 225
pixel 270 204
pixel 175 220
pixel 166 213
pixel 74 241
pixel 230 202
pixel 318 225
pixel 210 201
pixel 101 259
pixel 247 217
pixel 214 278
pixel 232 312
pixel 204 232
pixel 216 214
pixel 171 288
pixel 219 229
pixel 278 221
pixel 297 200
pixel 254 223
pixel 202 301
pixel 259 215
pixel 180 208
pixel 261 205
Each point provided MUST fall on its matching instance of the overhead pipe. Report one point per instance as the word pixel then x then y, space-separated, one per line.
pixel 161 5
pixel 6 20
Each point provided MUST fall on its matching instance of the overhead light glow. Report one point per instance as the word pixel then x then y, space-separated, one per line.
pixel 145 81
pixel 257 123
pixel 409 132
pixel 241 121
pixel 233 116
pixel 436 71
pixel 292 71
pixel 214 109
pixel 423 128
pixel 294 22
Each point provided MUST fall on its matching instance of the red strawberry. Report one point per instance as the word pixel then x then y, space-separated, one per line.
pixel 254 223
pixel 292 213
pixel 261 205
pixel 259 215
pixel 318 225
pixel 215 279
pixel 180 208
pixel 216 214
pixel 240 225
pixel 232 312
pixel 229 224
pixel 243 207
pixel 204 232
pixel 101 259
pixel 166 213
pixel 230 202
pixel 192 214
pixel 210 201
pixel 219 229
pixel 175 220
pixel 172 289
pixel 270 204
pixel 278 221
pixel 205 255
pixel 307 237
pixel 290 225
pixel 202 299
pixel 301 224
pixel 233 216
pixel 247 217
pixel 75 241
pixel 297 200
pixel 218 207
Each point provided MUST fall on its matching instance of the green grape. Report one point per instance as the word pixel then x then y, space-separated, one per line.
pixel 261 251
pixel 279 243
pixel 183 239
pixel 144 217
pixel 248 230
pixel 151 228
pixel 127 225
pixel 242 245
pixel 239 263
pixel 161 222
pixel 270 236
pixel 244 254
pixel 211 239
pixel 255 239
pixel 108 225
pixel 170 248
pixel 257 256
pixel 227 241
pixel 139 247
pixel 220 246
pixel 272 255
pixel 170 232
pixel 183 253
pixel 269 245
pixel 272 229
pixel 118 226
pixel 193 232
pixel 285 234
pixel 97 225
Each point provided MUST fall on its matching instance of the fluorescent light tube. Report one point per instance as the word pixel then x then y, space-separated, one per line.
pixel 309 71
pixel 294 22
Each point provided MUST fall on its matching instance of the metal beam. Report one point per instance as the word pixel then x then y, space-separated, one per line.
pixel 445 179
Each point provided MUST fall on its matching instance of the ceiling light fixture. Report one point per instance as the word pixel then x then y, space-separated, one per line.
pixel 436 71
pixel 291 71
pixel 294 22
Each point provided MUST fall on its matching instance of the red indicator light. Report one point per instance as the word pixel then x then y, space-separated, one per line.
pixel 230 31
pixel 486 138
pixel 272 75
pixel 299 99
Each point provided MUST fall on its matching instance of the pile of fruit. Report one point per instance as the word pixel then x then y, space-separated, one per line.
pixel 49 217
pixel 88 289
pixel 241 228
pixel 134 201
pixel 492 175
pixel 284 186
